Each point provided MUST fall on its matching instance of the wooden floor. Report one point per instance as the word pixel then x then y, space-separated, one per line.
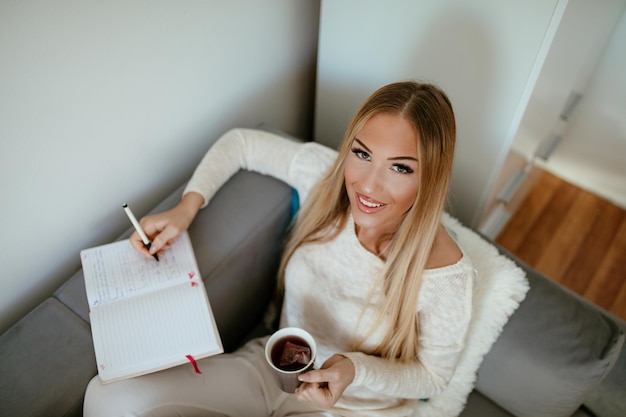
pixel 575 238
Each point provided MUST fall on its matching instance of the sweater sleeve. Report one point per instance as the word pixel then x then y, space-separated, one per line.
pixel 298 164
pixel 444 321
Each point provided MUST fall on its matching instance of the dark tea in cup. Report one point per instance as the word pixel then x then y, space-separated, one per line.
pixel 290 352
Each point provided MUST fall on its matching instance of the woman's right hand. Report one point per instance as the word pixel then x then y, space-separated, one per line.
pixel 326 385
pixel 164 228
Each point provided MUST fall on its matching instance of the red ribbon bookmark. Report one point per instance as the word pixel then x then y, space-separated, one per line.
pixel 194 363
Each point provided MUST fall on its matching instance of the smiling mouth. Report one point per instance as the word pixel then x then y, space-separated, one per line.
pixel 369 203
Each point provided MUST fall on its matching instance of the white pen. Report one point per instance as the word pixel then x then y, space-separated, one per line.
pixel 139 230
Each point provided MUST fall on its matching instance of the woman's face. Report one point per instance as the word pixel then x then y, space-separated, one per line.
pixel 381 174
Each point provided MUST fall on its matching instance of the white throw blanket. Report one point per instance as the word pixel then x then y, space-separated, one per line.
pixel 500 287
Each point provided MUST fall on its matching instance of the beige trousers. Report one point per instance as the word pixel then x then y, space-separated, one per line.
pixel 234 385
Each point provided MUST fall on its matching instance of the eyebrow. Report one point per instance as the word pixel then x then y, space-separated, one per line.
pixel 395 158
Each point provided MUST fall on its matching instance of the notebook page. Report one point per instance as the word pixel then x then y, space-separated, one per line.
pixel 153 331
pixel 116 270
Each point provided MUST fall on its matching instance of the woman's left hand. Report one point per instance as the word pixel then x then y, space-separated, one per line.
pixel 324 386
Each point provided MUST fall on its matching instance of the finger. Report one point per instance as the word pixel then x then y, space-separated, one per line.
pixel 163 250
pixel 164 239
pixel 151 226
pixel 135 240
pixel 138 244
pixel 314 393
pixel 332 360
pixel 313 376
pixel 314 386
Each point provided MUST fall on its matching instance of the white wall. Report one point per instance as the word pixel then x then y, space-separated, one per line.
pixel 578 45
pixel 592 153
pixel 587 56
pixel 575 55
pixel 103 103
pixel 482 53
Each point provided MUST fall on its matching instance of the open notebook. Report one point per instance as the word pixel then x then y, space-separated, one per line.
pixel 147 315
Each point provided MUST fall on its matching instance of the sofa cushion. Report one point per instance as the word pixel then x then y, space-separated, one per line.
pixel 480 406
pixel 47 356
pixel 551 354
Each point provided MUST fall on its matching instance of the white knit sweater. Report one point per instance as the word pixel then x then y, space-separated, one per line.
pixel 327 284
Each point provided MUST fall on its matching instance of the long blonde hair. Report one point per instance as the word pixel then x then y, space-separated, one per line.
pixel 430 112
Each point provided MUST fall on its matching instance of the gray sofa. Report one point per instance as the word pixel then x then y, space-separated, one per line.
pixel 555 356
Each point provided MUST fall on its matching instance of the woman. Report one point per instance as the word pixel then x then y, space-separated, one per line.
pixel 368 270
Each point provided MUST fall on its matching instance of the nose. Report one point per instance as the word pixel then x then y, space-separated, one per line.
pixel 371 180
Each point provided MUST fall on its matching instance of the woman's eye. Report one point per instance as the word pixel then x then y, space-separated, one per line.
pixel 402 169
pixel 361 154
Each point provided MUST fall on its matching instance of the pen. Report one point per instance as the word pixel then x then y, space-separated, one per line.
pixel 138 228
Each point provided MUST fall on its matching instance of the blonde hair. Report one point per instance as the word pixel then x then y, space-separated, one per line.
pixel 430 112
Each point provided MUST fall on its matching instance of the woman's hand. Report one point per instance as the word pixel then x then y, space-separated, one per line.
pixel 164 228
pixel 324 386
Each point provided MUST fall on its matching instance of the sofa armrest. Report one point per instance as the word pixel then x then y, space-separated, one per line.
pixel 46 361
pixel 553 352
pixel 237 240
